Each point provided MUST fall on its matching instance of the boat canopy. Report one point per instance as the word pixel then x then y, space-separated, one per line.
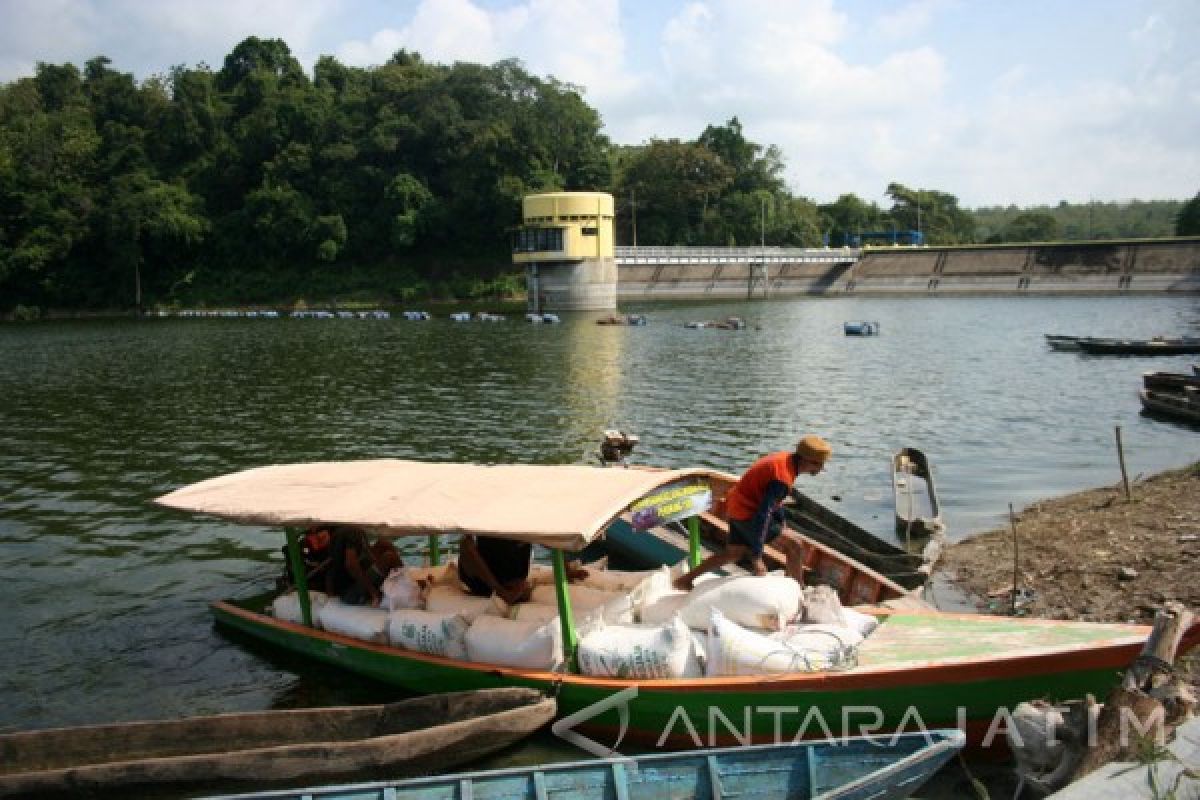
pixel 561 507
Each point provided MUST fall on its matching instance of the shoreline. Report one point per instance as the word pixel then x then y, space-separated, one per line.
pixel 1092 555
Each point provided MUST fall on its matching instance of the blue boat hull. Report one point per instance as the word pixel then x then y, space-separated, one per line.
pixel 881 768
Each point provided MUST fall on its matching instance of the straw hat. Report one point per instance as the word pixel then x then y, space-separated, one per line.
pixel 814 448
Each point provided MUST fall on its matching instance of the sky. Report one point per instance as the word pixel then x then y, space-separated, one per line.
pixel 997 102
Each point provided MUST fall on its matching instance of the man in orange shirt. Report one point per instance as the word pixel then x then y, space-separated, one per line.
pixel 754 509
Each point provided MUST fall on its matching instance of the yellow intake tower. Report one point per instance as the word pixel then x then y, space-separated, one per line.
pixel 565 243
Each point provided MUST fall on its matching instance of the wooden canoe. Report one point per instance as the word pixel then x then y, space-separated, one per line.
pixel 410 737
pixel 908 568
pixel 918 514
pixel 1059 342
pixel 879 768
pixel 1183 406
pixel 1140 347
pixel 1169 381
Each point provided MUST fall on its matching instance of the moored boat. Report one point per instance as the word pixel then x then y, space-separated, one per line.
pixel 270 747
pixel 1060 342
pixel 1158 346
pixel 863 328
pixel 1183 405
pixel 881 768
pixel 1169 381
pixel 915 495
pixel 947 670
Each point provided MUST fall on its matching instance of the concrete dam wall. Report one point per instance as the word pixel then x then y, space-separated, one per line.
pixel 1113 267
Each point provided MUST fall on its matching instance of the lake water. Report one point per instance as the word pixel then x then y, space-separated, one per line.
pixel 104 596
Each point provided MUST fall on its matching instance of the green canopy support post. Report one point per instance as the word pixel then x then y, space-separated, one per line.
pixel 693 525
pixel 435 552
pixel 569 638
pixel 300 574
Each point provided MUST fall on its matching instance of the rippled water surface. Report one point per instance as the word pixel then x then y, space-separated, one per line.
pixel 105 596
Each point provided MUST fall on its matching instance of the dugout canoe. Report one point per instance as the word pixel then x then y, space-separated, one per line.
pixel 264 748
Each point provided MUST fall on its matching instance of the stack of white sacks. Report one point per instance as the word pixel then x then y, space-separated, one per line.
pixel 630 624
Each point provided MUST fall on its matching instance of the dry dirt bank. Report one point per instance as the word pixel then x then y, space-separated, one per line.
pixel 1094 555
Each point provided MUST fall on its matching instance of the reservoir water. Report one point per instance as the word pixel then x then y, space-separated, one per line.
pixel 104 597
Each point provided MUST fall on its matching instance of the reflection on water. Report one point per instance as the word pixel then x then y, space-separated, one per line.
pixel 105 596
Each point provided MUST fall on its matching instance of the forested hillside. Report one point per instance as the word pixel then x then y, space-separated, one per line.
pixel 256 183
pixel 1078 221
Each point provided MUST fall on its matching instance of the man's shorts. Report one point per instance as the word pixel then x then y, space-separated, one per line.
pixel 740 532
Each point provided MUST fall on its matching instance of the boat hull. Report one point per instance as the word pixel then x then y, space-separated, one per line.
pixel 269 747
pixel 1173 405
pixel 966 689
pixel 1148 347
pixel 918 514
pixel 882 768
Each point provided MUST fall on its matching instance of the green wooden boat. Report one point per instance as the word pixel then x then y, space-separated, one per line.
pixel 879 768
pixel 919 670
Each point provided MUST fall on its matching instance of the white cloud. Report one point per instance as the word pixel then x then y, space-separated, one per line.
pixel 575 41
pixel 910 19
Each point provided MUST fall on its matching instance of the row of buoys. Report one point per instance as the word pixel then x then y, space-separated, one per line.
pixel 479 316
pixel 622 319
pixel 271 314
pixel 377 314
pixel 206 313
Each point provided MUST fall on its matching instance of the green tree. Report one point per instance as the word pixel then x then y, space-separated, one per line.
pixel 677 185
pixel 847 216
pixel 936 214
pixel 1188 221
pixel 1030 226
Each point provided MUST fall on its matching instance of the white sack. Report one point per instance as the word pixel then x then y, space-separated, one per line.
pixel 616 580
pixel 583 598
pixel 495 640
pixel 361 622
pixel 826 638
pixel 539 613
pixel 664 608
pixel 619 610
pixel 863 623
pixel 451 599
pixel 400 591
pixel 821 605
pixel 733 650
pixel 429 632
pixel 766 601
pixel 639 651
pixel 287 607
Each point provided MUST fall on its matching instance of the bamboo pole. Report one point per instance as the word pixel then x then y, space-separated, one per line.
pixel 1124 474
pixel 1012 518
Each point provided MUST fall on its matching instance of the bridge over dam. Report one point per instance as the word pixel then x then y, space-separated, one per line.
pixel 1107 267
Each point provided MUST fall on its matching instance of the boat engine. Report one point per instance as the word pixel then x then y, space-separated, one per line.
pixel 616 447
